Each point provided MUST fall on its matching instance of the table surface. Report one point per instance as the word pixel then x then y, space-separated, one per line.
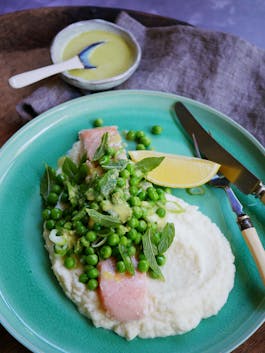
pixel 11 47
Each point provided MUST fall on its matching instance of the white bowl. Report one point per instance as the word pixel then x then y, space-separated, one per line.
pixel 68 33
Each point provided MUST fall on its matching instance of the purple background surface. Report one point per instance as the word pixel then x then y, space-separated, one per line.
pixel 244 18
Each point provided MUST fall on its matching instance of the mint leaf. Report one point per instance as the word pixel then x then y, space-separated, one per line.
pixel 149 163
pixel 150 251
pixel 167 237
pixel 69 168
pixel 119 165
pixel 104 220
pixel 126 259
pixel 102 147
pixel 48 179
pixel 108 182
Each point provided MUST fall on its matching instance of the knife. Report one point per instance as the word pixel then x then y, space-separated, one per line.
pixel 231 168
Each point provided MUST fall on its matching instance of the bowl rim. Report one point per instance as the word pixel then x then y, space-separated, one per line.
pixel 126 33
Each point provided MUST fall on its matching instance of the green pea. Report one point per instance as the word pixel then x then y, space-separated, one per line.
pixel 97 227
pixel 134 201
pixel 56 188
pixel 161 260
pixel 50 224
pixel 46 213
pixel 138 238
pixel 168 190
pixel 145 141
pixel 56 213
pixel 132 234
pixel 93 273
pixel 83 278
pixel 130 136
pixel 69 262
pixel 142 195
pixel 121 230
pixel 113 239
pixel 98 122
pixel 133 222
pixel 92 284
pixel 124 241
pixel 156 129
pixel 142 256
pixel 52 198
pixel 120 266
pixel 131 168
pixel 91 236
pixel 134 181
pixel 139 134
pixel 140 146
pixel 125 174
pixel 133 190
pixel 105 251
pixel 89 251
pixel 161 212
pixel 137 212
pixel 131 250
pixel 120 182
pixel 80 229
pixel 68 225
pixel 60 178
pixel 143 266
pixel 141 227
pixel 92 259
pixel 152 194
pixel 60 223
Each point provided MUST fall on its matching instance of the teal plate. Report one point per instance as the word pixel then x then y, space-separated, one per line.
pixel 34 308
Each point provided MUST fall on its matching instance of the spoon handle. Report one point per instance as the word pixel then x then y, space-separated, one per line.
pixel 29 77
pixel 253 242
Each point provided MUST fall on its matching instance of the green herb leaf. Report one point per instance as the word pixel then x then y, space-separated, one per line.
pixel 126 259
pixel 149 163
pixel 48 179
pixel 69 168
pixel 72 193
pixel 150 251
pixel 119 165
pixel 167 237
pixel 104 220
pixel 102 147
pixel 108 182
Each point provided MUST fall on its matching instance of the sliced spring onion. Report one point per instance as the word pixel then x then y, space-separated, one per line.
pixel 199 190
pixel 57 239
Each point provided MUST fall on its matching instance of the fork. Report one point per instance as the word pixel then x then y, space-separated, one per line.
pixel 248 231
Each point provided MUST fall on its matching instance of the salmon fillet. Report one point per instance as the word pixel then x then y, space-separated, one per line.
pixel 122 296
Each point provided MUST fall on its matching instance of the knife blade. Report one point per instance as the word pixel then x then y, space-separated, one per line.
pixel 231 168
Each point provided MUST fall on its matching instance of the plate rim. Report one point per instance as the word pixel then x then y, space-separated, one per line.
pixel 39 120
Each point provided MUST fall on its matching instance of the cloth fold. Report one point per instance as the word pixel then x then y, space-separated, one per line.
pixel 215 68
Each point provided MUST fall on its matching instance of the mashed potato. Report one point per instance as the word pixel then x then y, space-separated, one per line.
pixel 199 274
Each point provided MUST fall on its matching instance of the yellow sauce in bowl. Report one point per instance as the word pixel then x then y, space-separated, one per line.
pixel 112 58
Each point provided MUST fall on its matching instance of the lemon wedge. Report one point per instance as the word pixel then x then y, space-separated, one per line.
pixel 177 171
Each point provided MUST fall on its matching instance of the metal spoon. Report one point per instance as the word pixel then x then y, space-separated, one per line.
pixel 248 231
pixel 80 61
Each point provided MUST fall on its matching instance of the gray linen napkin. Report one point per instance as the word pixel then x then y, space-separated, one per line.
pixel 215 68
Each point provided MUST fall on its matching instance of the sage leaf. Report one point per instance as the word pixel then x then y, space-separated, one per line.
pixel 167 237
pixel 150 251
pixel 69 168
pixel 104 220
pixel 100 151
pixel 126 259
pixel 149 163
pixel 48 179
